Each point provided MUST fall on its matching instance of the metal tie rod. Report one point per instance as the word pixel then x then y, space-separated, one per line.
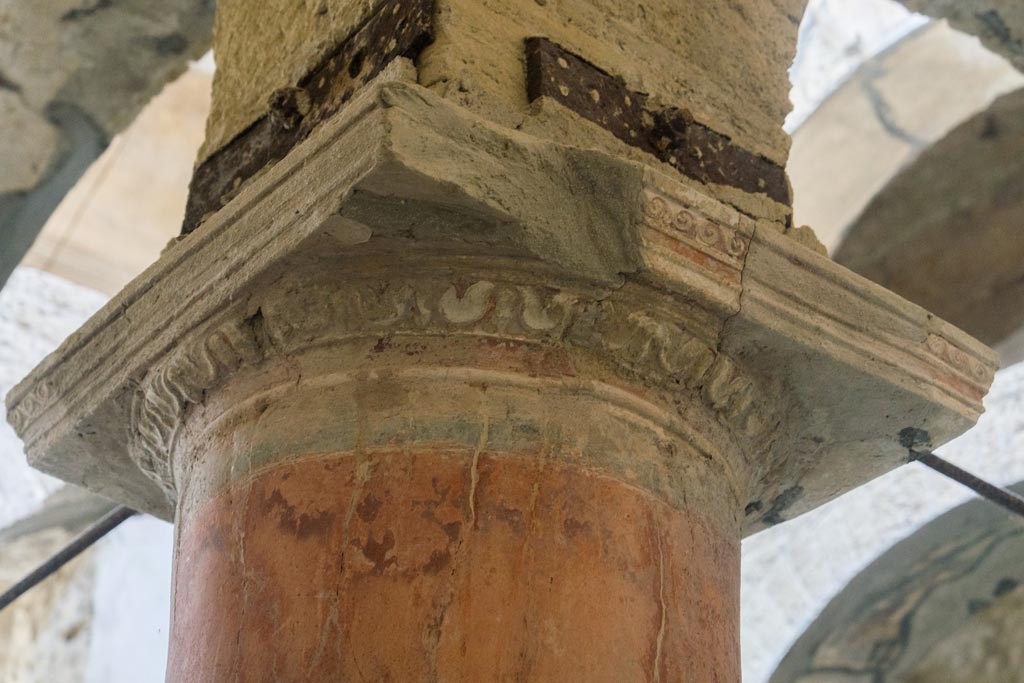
pixel 95 532
pixel 1000 496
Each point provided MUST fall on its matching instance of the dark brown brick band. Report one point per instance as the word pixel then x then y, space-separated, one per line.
pixel 397 28
pixel 670 134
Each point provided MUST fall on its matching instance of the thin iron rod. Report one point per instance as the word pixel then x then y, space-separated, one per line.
pixel 1000 496
pixel 95 532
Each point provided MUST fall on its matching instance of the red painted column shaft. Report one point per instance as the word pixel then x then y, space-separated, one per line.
pixel 449 566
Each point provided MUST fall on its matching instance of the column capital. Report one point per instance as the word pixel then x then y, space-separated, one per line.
pixel 405 217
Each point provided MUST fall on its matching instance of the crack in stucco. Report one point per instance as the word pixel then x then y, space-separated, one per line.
pixel 363 470
pixel 996 25
pixel 78 13
pixel 240 525
pixel 474 471
pixel 881 108
pixel 744 496
pixel 6 83
pixel 660 642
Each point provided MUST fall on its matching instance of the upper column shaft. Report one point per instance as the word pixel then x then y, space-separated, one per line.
pixel 697 87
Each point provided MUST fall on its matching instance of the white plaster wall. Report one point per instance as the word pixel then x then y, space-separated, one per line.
pixel 131 607
pixel 37 311
pixel 126 586
pixel 835 37
pixel 44 641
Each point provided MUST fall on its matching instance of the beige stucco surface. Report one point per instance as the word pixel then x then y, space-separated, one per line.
pixel 944 604
pixel 959 250
pixel 998 23
pixel 988 647
pixel 129 204
pixel 883 117
pixel 268 45
pixel 73 74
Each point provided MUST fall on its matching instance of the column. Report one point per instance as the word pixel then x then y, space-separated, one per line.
pixel 487 340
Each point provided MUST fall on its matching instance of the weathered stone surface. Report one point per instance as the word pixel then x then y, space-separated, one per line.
pixel 947 599
pixel 30 133
pixel 959 248
pixel 393 30
pixel 791 572
pixel 69 509
pixel 477 60
pixel 988 647
pixel 671 134
pixel 247 72
pixel 998 23
pixel 645 44
pixel 72 75
pixel 416 286
pixel 44 636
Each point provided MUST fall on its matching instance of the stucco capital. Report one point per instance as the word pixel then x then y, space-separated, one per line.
pixel 404 220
